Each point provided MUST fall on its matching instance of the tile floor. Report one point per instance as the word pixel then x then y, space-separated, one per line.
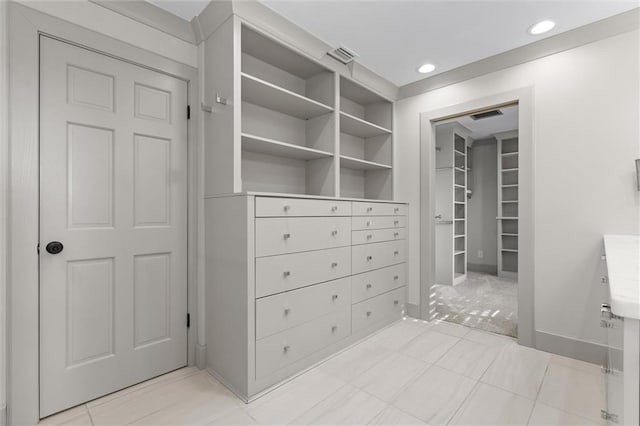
pixel 482 301
pixel 411 373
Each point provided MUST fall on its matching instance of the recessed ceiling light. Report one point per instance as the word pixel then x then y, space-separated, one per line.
pixel 542 27
pixel 426 68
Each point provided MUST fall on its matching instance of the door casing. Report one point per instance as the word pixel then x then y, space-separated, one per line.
pixel 524 98
pixel 26 27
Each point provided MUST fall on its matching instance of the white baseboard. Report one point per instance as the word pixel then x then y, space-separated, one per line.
pixel 201 356
pixel 413 311
pixel 595 353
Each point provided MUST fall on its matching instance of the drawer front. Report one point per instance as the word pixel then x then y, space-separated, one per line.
pixel 378 209
pixel 295 234
pixel 292 308
pixel 270 207
pixel 377 309
pixel 276 274
pixel 368 257
pixel 378 222
pixel 279 350
pixel 377 236
pixel 370 284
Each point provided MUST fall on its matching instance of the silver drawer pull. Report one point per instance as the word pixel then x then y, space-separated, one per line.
pixel 369 258
pixel 286 236
pixel 395 234
pixel 604 280
pixel 395 302
pixel 286 349
pixel 369 236
pixel 286 274
pixel 287 311
pixel 334 209
pixel 368 223
pixel 369 209
pixel 334 328
pixel 334 233
pixel 334 264
pixel 395 278
pixel 395 253
pixel 368 313
pixel 334 297
pixel 395 222
pixel 396 210
pixel 369 286
pixel 287 208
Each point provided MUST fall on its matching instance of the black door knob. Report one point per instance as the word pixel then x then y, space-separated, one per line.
pixel 54 247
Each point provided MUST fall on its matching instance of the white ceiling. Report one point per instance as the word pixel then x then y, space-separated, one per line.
pixel 394 37
pixel 486 127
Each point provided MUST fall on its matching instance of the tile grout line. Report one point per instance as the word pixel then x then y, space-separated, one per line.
pixel 535 401
pixel 475 386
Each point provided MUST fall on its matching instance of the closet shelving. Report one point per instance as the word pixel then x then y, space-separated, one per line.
pixel 508 201
pixel 289 125
pixel 451 203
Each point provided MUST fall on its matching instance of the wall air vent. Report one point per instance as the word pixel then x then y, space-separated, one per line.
pixel 486 114
pixel 343 55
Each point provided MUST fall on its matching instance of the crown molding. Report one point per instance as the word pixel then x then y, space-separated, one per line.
pixel 605 28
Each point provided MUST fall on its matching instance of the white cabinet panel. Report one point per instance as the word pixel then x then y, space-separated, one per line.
pixel 378 209
pixel 267 206
pixel 380 222
pixel 370 284
pixel 374 256
pixel 292 308
pixel 377 236
pixel 275 274
pixel 289 235
pixel 378 309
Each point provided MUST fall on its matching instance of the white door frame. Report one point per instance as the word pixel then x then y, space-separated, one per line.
pixel 26 27
pixel 526 208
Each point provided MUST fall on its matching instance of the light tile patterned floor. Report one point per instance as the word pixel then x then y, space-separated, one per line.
pixel 412 373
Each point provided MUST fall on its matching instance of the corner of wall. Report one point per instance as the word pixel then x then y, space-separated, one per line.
pixel 201 357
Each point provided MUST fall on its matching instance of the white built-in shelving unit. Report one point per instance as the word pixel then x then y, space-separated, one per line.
pixel 286 124
pixel 508 162
pixel 451 203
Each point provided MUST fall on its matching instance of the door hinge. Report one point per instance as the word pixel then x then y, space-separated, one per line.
pixel 188 112
pixel 188 320
pixel 38 248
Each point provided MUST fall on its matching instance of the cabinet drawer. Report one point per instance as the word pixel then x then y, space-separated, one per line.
pixel 379 222
pixel 378 209
pixel 375 236
pixel 370 284
pixel 294 234
pixel 279 350
pixel 269 207
pixel 276 274
pixel 378 309
pixel 367 257
pixel 292 308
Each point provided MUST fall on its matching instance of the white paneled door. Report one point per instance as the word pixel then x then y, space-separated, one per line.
pixel 113 225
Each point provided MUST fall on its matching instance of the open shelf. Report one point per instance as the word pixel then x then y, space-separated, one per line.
pixel 515 169
pixel 268 95
pixel 509 154
pixel 459 236
pixel 268 146
pixel 356 126
pixel 358 164
pixel 509 201
pixel 457 253
pixel 508 234
pixel 510 250
pixel 512 185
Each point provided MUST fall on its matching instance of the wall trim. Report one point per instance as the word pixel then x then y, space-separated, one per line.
pixel 413 311
pixel 26 26
pixel 484 268
pixel 153 16
pixel 594 353
pixel 605 28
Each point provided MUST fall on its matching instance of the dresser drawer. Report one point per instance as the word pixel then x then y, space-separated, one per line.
pixel 377 222
pixel 377 236
pixel 378 209
pixel 294 234
pixel 279 350
pixel 378 309
pixel 292 308
pixel 269 207
pixel 276 274
pixel 367 257
pixel 370 284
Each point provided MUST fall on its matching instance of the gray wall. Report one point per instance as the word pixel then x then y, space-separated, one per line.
pixel 482 207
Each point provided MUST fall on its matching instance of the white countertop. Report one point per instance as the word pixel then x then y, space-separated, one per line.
pixel 623 265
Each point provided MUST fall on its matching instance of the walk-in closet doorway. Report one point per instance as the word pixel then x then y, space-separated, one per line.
pixel 475 273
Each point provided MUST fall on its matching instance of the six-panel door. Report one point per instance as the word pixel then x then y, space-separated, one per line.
pixel 113 192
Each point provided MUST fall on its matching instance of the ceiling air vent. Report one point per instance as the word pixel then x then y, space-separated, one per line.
pixel 486 114
pixel 343 55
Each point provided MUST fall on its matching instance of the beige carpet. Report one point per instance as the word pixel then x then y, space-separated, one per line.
pixel 482 301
